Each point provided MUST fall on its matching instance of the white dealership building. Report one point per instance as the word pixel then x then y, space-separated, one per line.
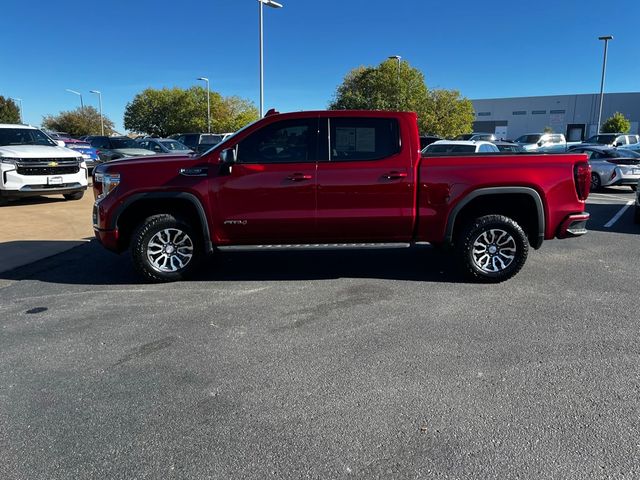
pixel 576 116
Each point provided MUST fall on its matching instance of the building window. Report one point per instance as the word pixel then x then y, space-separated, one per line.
pixel 538 112
pixel 520 112
pixel 556 111
pixel 484 114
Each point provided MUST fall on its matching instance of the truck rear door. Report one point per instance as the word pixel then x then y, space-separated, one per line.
pixel 366 182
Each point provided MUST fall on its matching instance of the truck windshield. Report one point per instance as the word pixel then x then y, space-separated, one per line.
pixel 24 136
pixel 528 139
pixel 173 145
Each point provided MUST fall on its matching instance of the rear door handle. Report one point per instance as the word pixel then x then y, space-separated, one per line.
pixel 395 175
pixel 299 177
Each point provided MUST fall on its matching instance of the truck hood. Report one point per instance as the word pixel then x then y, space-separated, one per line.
pixel 134 152
pixel 36 151
pixel 149 160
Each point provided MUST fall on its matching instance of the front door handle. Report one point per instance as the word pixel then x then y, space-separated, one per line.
pixel 395 175
pixel 299 177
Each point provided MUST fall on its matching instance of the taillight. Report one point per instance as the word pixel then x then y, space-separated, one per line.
pixel 582 176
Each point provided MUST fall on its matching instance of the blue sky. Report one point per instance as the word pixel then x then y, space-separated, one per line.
pixel 489 49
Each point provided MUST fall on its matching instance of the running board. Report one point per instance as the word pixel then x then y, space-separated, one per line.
pixel 311 246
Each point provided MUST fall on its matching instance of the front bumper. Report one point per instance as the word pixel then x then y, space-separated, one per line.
pixel 107 237
pixel 574 225
pixel 36 190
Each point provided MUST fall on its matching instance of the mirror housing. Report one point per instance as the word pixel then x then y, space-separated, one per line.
pixel 60 143
pixel 228 156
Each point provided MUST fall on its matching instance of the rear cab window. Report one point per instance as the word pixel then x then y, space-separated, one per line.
pixel 362 139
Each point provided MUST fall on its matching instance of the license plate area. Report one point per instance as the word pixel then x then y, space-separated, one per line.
pixel 54 180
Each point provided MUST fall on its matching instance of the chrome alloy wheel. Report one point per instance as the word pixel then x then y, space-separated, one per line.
pixel 170 250
pixel 493 250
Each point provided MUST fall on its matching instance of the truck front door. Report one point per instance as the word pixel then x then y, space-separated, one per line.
pixel 269 194
pixel 366 181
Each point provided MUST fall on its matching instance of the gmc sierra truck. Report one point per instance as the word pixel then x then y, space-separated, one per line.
pixel 337 179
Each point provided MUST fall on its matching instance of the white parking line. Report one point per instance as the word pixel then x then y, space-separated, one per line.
pixel 617 216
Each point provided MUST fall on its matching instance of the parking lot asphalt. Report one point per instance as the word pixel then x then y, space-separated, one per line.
pixel 38 227
pixel 366 364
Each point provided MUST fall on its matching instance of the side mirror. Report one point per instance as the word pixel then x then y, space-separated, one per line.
pixel 228 156
pixel 60 143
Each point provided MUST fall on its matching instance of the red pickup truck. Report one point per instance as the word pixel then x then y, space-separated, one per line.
pixel 337 179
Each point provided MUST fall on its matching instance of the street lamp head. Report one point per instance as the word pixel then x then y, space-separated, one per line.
pixel 270 3
pixel 204 79
pixel 72 91
pixel 95 91
pixel 395 57
pixel 606 37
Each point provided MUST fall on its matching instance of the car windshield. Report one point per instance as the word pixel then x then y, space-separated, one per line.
pixel 448 148
pixel 173 145
pixel 24 136
pixel 124 143
pixel 528 139
pixel 602 139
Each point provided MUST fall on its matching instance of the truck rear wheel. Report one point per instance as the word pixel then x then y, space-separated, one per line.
pixel 492 248
pixel 165 248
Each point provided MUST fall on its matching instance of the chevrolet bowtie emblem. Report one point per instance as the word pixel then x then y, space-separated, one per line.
pixel 52 164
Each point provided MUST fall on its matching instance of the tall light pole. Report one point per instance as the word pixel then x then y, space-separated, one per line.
pixel 205 79
pixel 20 103
pixel 606 39
pixel 268 3
pixel 97 92
pixel 77 93
pixel 398 58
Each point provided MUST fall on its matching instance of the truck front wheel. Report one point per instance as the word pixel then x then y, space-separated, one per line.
pixel 165 248
pixel 492 248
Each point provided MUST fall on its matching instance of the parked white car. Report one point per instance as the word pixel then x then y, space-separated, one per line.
pixel 460 146
pixel 32 164
pixel 542 142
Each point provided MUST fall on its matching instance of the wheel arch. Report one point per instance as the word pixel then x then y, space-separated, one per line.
pixel 483 201
pixel 139 206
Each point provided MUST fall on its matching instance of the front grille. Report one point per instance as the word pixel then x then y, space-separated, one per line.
pixel 62 170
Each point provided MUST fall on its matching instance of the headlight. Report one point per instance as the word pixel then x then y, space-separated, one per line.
pixel 11 161
pixel 109 182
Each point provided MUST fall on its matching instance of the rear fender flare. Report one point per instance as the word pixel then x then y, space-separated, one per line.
pixel 533 194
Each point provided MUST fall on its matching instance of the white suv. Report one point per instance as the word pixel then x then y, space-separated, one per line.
pixel 33 164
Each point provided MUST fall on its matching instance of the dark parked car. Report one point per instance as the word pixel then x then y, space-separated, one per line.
pixel 426 140
pixel 164 145
pixel 113 148
pixel 200 142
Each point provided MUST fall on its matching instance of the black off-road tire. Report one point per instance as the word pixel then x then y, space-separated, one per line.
pixel 472 259
pixel 73 196
pixel 146 231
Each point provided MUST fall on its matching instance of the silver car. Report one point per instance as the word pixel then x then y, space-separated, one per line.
pixel 164 145
pixel 611 166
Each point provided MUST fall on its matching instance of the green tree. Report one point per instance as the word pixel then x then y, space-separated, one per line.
pixel 448 114
pixel 617 123
pixel 393 86
pixel 172 110
pixel 81 121
pixel 547 130
pixel 9 111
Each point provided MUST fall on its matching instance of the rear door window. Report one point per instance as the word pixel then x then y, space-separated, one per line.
pixel 361 139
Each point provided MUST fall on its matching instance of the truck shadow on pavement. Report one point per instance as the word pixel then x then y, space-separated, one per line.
pixel 90 264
